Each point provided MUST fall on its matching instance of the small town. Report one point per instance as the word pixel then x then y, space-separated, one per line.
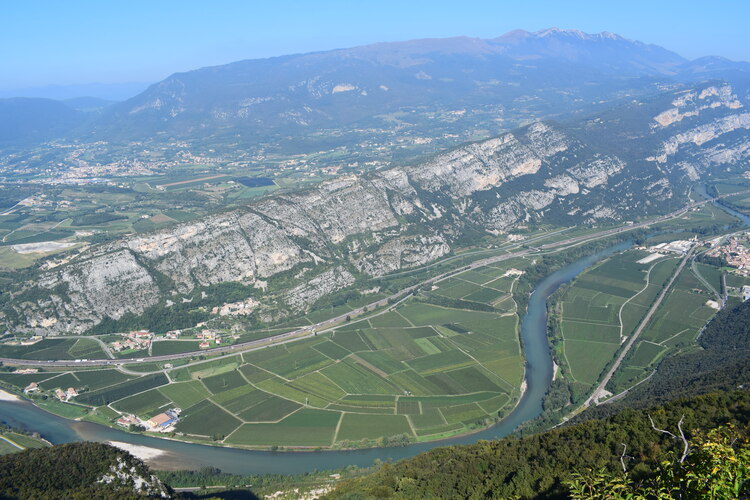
pixel 734 252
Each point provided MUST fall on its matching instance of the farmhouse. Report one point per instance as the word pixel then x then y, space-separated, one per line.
pixel 162 420
pixel 127 421
pixel 32 387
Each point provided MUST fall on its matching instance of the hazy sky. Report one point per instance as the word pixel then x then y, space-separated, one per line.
pixel 78 41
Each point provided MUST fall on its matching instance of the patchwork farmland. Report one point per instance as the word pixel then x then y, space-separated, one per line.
pixel 445 361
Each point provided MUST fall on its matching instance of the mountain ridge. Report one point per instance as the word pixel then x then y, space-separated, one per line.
pixel 636 161
pixel 305 92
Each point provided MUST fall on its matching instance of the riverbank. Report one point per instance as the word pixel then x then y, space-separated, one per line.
pixel 7 396
pixel 145 453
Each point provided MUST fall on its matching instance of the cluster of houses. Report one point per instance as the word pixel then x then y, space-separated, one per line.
pixel 163 422
pixel 63 396
pixel 734 253
pixel 206 337
pixel 133 340
pixel 142 339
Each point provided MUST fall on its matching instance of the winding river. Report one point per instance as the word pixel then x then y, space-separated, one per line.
pixel 181 455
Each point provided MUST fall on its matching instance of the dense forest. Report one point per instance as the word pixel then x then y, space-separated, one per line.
pixel 77 471
pixel 538 466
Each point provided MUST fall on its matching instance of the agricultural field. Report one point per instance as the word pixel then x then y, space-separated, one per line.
pixel 600 310
pixel 447 360
pixel 52 219
pixel 13 442
pixel 54 349
pixel 674 326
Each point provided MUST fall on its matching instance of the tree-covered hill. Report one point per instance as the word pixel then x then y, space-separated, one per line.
pixel 537 466
pixel 77 471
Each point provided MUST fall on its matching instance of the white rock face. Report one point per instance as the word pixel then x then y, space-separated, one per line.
pixel 597 171
pixel 702 134
pixel 562 185
pixel 402 253
pixel 106 285
pixel 121 474
pixel 325 283
pixel 692 103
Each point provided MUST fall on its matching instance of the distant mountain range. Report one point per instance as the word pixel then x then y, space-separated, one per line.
pixel 514 78
pixel 105 91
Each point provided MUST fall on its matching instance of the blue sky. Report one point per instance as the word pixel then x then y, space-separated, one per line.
pixel 69 42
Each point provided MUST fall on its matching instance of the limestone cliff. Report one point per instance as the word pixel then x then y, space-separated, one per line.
pixel 308 244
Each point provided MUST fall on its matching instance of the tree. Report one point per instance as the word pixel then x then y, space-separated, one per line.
pixel 716 467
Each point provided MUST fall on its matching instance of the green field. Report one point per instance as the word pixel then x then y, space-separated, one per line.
pixel 185 394
pixel 601 308
pixel 164 347
pixel 356 426
pixel 53 349
pixel 145 404
pixel 439 362
pixel 303 428
pixel 605 304
pixel 207 419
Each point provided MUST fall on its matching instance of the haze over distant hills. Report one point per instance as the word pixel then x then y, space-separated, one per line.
pixel 105 91
pixel 630 161
pixel 446 84
pixel 565 69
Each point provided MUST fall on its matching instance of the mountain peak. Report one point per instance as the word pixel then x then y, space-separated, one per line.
pixel 559 32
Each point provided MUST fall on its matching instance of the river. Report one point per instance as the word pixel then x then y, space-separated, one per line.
pixel 701 190
pixel 181 455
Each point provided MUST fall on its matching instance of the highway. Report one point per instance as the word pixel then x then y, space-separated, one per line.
pixel 599 391
pixel 323 326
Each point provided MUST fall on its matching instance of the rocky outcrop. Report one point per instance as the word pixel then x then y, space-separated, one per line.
pixel 301 296
pixel 78 296
pixel 402 253
pixel 693 102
